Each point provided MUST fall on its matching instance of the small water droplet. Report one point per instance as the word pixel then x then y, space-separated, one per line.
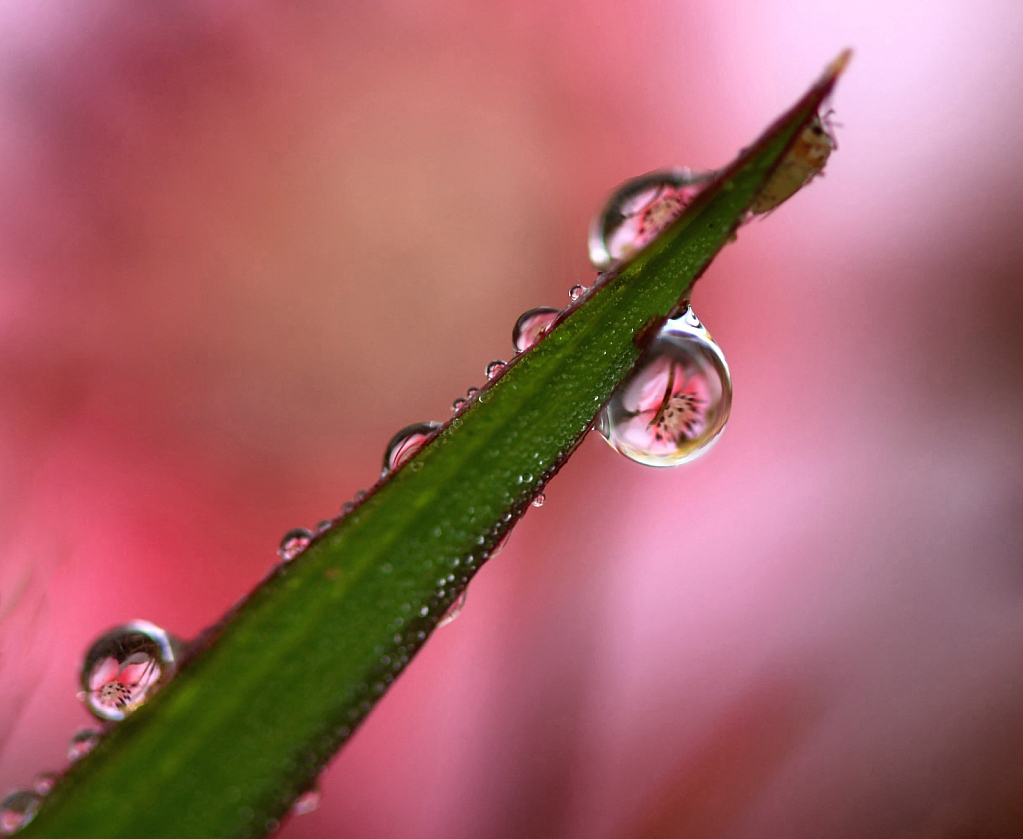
pixel 17 810
pixel 458 404
pixel 347 508
pixel 638 210
pixel 675 403
pixel 454 610
pixel 323 525
pixel 293 543
pixel 532 325
pixel 471 392
pixel 306 802
pixel 82 742
pixel 495 368
pixel 575 292
pixel 539 499
pixel 44 782
pixel 406 443
pixel 126 665
pixel 360 495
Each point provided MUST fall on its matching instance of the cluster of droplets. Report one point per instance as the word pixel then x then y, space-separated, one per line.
pixel 121 670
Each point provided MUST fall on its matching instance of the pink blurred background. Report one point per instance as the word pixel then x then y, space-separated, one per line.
pixel 242 244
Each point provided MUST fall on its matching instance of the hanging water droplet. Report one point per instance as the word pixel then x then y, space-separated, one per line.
pixel 458 404
pixel 406 443
pixel 44 783
pixel 532 325
pixel 293 543
pixel 306 802
pixel 454 610
pixel 124 666
pixel 639 210
pixel 675 402
pixel 82 742
pixel 495 368
pixel 17 810
pixel 575 292
pixel 539 499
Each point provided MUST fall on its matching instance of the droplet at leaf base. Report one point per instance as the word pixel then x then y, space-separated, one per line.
pixel 248 723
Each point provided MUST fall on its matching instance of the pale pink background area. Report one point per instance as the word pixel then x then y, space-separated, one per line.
pixel 242 244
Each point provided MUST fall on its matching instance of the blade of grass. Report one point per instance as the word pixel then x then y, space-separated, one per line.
pixel 274 689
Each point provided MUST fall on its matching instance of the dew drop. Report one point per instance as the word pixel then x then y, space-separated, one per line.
pixel 575 292
pixel 360 495
pixel 293 543
pixel 323 526
pixel 82 742
pixel 495 368
pixel 406 443
pixel 675 402
pixel 17 810
pixel 454 610
pixel 639 210
pixel 532 325
pixel 458 404
pixel 471 392
pixel 44 783
pixel 539 499
pixel 306 803
pixel 125 666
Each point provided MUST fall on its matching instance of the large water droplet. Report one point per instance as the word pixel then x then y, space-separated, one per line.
pixel 406 443
pixel 639 210
pixel 306 802
pixel 532 325
pixel 293 543
pixel 82 742
pixel 675 402
pixel 454 610
pixel 17 810
pixel 124 666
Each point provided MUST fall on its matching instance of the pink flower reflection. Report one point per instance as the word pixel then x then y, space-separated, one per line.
pixel 116 686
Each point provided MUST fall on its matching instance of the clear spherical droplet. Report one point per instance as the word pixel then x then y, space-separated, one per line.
pixel 495 368
pixel 306 802
pixel 17 810
pixel 124 666
pixel 458 404
pixel 539 499
pixel 453 611
pixel 532 325
pixel 575 292
pixel 639 210
pixel 471 392
pixel 675 402
pixel 293 543
pixel 44 783
pixel 406 443
pixel 82 742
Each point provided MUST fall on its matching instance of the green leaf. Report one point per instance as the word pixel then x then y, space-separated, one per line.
pixel 273 690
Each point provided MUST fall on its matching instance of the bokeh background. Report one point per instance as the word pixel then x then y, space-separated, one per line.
pixel 242 243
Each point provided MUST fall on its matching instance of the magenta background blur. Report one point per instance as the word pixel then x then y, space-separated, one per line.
pixel 242 244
